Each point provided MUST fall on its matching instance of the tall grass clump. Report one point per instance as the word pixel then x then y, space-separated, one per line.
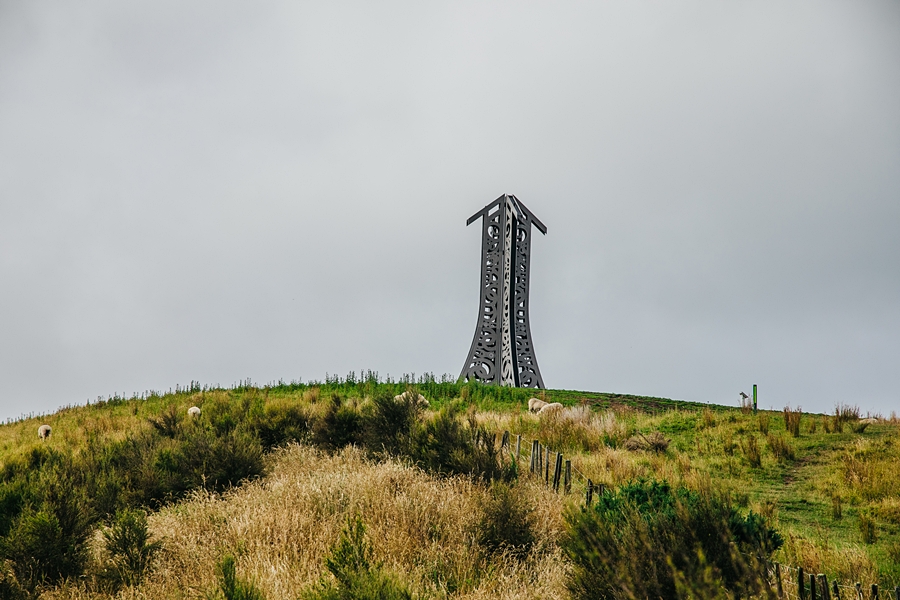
pixel 750 447
pixel 844 414
pixel 580 429
pixel 651 540
pixel 792 420
pixel 763 421
pixel 780 448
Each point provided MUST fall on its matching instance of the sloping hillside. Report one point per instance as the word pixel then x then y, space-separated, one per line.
pixel 271 476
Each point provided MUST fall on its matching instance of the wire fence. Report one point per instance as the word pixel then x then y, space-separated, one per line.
pixel 785 582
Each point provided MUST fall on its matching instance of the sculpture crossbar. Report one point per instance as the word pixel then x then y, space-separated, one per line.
pixel 502 351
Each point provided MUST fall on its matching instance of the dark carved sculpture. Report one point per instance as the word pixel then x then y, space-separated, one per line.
pixel 502 351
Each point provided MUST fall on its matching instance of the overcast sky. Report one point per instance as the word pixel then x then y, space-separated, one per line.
pixel 216 191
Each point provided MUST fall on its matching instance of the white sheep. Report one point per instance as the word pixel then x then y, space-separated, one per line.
pixel 535 404
pixel 550 408
pixel 421 401
pixel 44 431
pixel 194 412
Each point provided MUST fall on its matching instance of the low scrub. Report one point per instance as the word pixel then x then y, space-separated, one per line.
pixel 232 587
pixel 507 524
pixel 355 575
pixel 129 550
pixel 650 540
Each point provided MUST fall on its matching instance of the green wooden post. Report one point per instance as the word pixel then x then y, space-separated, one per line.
pixel 754 398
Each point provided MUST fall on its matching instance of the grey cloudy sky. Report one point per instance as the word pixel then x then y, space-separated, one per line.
pixel 216 191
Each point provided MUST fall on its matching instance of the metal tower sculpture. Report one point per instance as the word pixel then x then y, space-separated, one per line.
pixel 502 351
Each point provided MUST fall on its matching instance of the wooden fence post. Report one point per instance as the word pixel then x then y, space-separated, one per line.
pixel 540 459
pixel 518 447
pixel 812 587
pixel 504 441
pixel 896 592
pixel 778 585
pixel 547 469
pixel 589 494
pixel 533 457
pixel 859 594
pixel 823 582
pixel 874 591
pixel 835 590
pixel 567 488
pixel 557 472
pixel 801 585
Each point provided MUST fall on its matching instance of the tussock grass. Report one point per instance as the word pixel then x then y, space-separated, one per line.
pixel 422 528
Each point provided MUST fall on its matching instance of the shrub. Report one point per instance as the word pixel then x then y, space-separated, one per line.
pixel 388 429
pixel 340 426
pixel 450 445
pixel 129 548
pixel 279 424
pixel 168 423
pixel 792 420
pixel 763 420
pixel 836 508
pixel 46 542
pixel 231 587
pixel 506 525
pixel 356 576
pixel 648 540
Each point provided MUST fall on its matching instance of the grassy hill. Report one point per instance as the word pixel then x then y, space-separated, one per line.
pixel 275 488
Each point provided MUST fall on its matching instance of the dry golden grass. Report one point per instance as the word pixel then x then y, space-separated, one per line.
pixel 281 528
pixel 847 564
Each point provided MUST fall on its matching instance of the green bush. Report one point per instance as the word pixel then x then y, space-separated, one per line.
pixel 356 577
pixel 129 548
pixel 232 587
pixel 277 425
pixel 340 426
pixel 648 540
pixel 387 431
pixel 506 525
pixel 451 445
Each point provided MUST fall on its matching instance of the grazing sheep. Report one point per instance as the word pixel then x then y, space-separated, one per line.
pixel 535 404
pixel 421 401
pixel 550 408
pixel 44 431
pixel 193 411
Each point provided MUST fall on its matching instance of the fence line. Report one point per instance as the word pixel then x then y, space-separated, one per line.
pixel 791 583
